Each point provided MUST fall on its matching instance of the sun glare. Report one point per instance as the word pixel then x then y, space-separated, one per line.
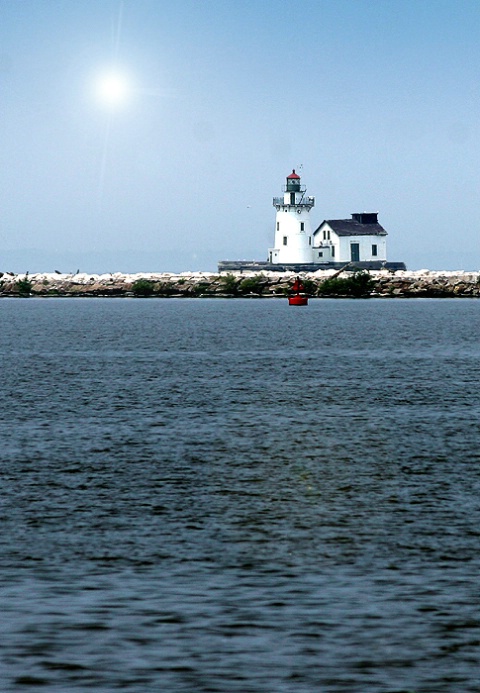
pixel 112 89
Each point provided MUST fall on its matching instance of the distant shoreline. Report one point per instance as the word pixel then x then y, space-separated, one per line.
pixel 399 284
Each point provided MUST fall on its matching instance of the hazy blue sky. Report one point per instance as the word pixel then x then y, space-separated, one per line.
pixel 377 99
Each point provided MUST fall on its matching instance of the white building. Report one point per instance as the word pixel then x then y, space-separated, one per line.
pixel 293 231
pixel 359 239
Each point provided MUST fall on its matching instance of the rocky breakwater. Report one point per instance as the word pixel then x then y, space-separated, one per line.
pixel 143 285
pixel 427 284
pixel 323 283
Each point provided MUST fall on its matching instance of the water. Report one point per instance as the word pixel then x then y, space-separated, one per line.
pixel 213 495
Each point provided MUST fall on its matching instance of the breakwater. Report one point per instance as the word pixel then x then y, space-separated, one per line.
pixel 326 283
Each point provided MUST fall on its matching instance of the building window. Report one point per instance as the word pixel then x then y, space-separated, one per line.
pixel 333 251
pixel 328 235
pixel 320 254
pixel 284 240
pixel 302 226
pixel 309 240
pixel 324 235
pixel 374 250
pixel 278 226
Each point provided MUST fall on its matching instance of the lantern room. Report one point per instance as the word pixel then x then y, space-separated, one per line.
pixel 293 182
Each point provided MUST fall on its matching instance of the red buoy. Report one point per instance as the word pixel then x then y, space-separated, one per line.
pixel 298 298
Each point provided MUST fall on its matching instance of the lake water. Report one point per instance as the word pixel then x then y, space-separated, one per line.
pixel 238 495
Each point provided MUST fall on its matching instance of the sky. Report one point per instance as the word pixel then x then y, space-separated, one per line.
pixel 173 167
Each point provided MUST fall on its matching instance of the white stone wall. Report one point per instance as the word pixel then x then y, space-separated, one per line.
pixel 365 246
pixel 298 247
pixel 324 245
pixel 326 253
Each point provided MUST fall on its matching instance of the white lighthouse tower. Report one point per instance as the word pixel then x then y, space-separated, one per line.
pixel 293 232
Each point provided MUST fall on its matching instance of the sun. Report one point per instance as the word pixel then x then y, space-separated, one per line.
pixel 112 89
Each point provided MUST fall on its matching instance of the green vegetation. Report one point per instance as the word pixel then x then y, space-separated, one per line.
pixel 358 285
pixel 252 285
pixel 200 289
pixel 310 287
pixel 23 287
pixel 229 284
pixel 143 288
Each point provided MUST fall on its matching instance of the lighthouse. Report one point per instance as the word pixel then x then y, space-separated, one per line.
pixel 356 243
pixel 293 232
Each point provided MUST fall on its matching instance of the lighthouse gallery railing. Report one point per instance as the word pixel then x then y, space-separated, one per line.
pixel 305 201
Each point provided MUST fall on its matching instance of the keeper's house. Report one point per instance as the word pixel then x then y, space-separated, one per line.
pixel 359 239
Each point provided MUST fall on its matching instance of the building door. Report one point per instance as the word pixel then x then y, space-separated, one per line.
pixel 355 252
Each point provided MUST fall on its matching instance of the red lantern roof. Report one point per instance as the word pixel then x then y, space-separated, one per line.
pixel 293 175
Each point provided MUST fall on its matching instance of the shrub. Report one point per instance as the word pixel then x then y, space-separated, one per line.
pixel 23 287
pixel 252 285
pixel 229 283
pixel 359 284
pixel 200 289
pixel 143 288
pixel 310 287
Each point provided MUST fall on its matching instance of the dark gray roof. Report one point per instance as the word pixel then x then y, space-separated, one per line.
pixel 351 227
